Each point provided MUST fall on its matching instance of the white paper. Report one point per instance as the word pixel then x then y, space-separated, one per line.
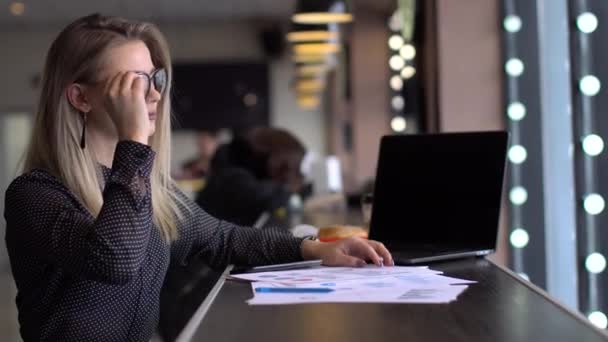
pixel 325 274
pixel 361 294
pixel 422 280
pixel 370 284
pixel 390 282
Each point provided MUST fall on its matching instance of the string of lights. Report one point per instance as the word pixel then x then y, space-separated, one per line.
pixel 528 234
pixel 523 120
pixel 588 154
pixel 516 112
pixel 402 65
pixel 397 64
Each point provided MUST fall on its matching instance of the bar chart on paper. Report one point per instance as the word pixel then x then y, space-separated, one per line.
pixel 354 285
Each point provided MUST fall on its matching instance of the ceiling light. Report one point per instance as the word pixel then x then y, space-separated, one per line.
pixel 17 8
pixel 322 12
pixel 519 238
pixel 590 85
pixel 593 144
pixel 594 204
pixel 518 195
pixel 311 58
pixel 309 85
pixel 316 48
pixel 398 103
pixel 308 101
pixel 396 83
pixel 313 33
pixel 408 72
pixel 512 23
pixel 398 124
pixel 598 319
pixel 514 67
pixel 395 42
pixel 595 263
pixel 408 52
pixel 516 111
pixel 517 154
pixel 587 22
pixel 311 36
pixel 396 63
pixel 312 70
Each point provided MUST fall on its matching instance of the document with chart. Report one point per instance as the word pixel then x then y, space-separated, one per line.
pixel 369 284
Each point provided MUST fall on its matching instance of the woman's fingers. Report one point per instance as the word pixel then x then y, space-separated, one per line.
pixel 126 83
pixel 383 252
pixel 348 252
pixel 113 85
pixel 365 250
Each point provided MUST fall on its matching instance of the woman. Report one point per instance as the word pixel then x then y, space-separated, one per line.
pixel 95 221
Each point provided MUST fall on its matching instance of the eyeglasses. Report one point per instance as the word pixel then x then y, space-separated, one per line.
pixel 158 77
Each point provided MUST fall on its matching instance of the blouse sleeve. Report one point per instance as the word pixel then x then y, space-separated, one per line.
pixel 45 218
pixel 221 243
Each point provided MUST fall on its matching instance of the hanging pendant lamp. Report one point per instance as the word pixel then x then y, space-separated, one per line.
pixel 308 102
pixel 311 58
pixel 309 85
pixel 322 12
pixel 316 48
pixel 300 33
pixel 311 70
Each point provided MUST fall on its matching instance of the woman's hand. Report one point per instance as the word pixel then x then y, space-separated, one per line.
pixel 347 252
pixel 126 105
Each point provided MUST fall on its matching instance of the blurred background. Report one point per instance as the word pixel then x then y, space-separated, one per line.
pixel 367 68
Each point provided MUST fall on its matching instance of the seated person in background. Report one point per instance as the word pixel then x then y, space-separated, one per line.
pixel 207 142
pixel 254 174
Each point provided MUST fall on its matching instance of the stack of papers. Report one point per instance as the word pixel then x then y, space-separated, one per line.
pixel 370 284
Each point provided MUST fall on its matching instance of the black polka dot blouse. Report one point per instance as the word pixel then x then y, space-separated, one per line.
pixel 81 278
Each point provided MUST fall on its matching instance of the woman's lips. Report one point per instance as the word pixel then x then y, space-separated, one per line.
pixel 152 116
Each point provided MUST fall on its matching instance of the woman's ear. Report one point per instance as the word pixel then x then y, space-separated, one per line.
pixel 77 97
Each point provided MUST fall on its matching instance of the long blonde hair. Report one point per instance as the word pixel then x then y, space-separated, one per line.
pixel 73 57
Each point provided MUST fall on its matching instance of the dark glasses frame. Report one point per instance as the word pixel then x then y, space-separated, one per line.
pixel 158 77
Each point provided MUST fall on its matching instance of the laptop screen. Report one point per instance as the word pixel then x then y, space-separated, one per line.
pixel 440 189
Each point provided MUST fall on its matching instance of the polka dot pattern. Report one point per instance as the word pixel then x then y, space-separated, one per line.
pixel 81 278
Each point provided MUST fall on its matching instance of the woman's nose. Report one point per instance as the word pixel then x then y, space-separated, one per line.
pixel 153 95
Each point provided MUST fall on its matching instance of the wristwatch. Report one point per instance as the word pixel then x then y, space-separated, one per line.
pixel 310 237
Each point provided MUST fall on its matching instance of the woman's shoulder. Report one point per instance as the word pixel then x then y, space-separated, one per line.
pixel 35 183
pixel 36 176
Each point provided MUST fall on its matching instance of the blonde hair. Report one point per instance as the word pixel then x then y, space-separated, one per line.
pixel 73 57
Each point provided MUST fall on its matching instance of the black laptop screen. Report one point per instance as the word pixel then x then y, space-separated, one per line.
pixel 440 189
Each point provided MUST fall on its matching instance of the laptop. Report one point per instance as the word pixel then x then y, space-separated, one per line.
pixel 438 196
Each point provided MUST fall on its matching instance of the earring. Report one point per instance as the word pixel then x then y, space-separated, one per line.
pixel 84 125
